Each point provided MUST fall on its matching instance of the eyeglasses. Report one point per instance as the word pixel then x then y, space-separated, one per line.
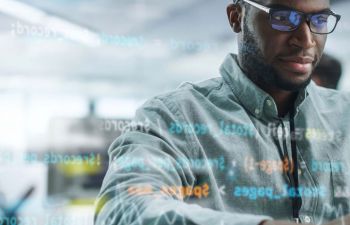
pixel 289 20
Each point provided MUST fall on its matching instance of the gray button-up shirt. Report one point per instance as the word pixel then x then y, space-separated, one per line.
pixel 216 152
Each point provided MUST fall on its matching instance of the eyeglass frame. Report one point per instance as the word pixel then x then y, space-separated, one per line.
pixel 306 16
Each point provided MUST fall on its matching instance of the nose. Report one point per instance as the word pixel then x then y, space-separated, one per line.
pixel 302 37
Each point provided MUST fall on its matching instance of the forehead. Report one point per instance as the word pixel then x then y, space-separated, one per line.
pixel 301 5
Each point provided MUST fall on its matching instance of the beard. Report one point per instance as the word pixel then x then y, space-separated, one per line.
pixel 258 70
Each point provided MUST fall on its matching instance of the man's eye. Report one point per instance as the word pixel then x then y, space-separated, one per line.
pixel 280 18
pixel 321 20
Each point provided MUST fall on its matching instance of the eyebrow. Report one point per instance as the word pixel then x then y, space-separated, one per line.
pixel 280 6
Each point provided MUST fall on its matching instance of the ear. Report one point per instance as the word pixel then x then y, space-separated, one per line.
pixel 234 14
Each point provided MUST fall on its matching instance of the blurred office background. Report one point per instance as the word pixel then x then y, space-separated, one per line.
pixel 72 72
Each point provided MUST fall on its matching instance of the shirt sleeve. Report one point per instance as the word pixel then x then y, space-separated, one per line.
pixel 142 163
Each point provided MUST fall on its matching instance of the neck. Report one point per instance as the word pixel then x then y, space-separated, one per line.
pixel 284 100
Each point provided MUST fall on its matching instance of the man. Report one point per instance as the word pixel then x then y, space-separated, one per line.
pixel 328 72
pixel 261 145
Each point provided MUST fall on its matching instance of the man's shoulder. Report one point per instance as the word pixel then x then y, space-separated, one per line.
pixel 189 90
pixel 330 97
pixel 192 97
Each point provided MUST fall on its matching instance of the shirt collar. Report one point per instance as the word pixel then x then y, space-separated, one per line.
pixel 251 97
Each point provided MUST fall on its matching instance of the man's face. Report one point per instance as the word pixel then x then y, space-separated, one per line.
pixel 276 59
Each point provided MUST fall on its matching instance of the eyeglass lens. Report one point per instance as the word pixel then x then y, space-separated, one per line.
pixel 288 20
pixel 322 23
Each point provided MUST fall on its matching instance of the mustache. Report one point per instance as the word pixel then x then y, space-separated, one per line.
pixel 299 53
pixel 302 56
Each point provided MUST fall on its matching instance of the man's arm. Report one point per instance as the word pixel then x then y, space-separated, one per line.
pixel 132 194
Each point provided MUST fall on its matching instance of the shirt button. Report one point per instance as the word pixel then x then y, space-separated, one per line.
pixel 302 165
pixel 299 172
pixel 269 102
pixel 257 111
pixel 307 219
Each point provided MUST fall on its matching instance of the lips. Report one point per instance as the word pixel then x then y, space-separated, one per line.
pixel 297 64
